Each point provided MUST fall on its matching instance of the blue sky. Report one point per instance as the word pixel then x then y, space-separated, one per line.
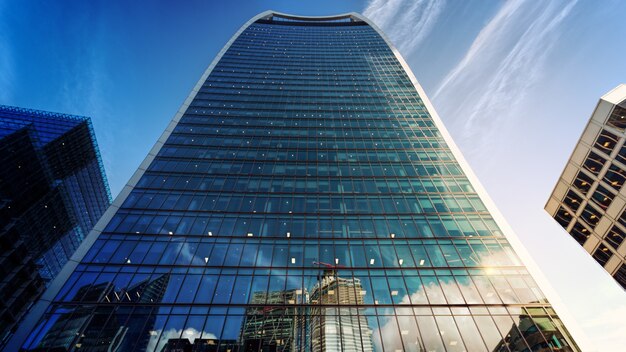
pixel 514 81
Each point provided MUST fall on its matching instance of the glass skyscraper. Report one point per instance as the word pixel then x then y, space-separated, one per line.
pixel 53 190
pixel 304 198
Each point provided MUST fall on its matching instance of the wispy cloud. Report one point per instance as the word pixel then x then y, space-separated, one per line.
pixel 480 93
pixel 83 75
pixel 406 22
pixel 86 81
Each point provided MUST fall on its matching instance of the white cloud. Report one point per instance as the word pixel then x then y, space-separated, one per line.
pixel 86 83
pixel 190 333
pixel 406 22
pixel 505 59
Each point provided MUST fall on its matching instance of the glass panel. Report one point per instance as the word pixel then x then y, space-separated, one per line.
pixel 450 334
pixel 606 142
pixel 583 182
pixel 615 237
pixel 591 216
pixel 594 163
pixel 615 176
pixel 572 200
pixel 602 254
pixel 617 118
pixel 602 197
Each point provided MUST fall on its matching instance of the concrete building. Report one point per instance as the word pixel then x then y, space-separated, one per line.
pixel 588 199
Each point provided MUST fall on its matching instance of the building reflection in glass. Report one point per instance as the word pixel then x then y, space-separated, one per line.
pixel 534 330
pixel 294 321
pixel 106 328
pixel 275 323
pixel 338 328
pixel 336 309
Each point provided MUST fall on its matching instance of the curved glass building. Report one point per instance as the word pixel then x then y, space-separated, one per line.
pixel 304 198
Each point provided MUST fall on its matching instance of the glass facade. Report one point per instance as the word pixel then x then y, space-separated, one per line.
pixel 305 200
pixel 52 192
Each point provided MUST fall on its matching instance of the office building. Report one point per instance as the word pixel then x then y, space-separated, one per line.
pixel 305 175
pixel 588 200
pixel 52 192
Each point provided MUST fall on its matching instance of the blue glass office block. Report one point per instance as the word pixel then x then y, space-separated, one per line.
pixel 52 192
pixel 303 199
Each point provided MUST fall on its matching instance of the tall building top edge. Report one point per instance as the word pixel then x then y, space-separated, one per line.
pixel 616 95
pixel 43 113
pixel 339 18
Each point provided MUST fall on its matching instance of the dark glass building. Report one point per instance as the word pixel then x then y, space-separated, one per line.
pixel 304 198
pixel 53 190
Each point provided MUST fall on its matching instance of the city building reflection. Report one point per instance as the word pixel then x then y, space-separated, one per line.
pixel 534 330
pixel 108 328
pixel 338 328
pixel 275 323
pixel 333 311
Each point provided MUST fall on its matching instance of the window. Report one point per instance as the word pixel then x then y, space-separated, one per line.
pixel 594 163
pixel 591 216
pixel 580 233
pixel 615 237
pixel 617 118
pixel 583 182
pixel 563 217
pixel 606 142
pixel 602 197
pixel 572 200
pixel 615 176
pixel 602 254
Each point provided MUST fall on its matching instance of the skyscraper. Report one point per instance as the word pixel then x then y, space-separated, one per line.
pixel 588 200
pixel 306 174
pixel 52 192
